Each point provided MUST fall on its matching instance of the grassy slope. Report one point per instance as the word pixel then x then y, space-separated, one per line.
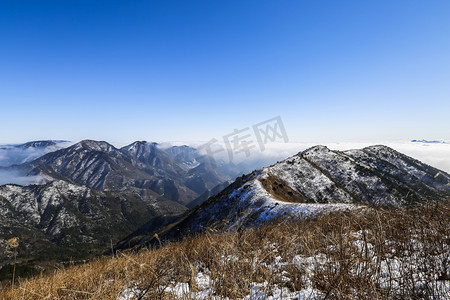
pixel 373 255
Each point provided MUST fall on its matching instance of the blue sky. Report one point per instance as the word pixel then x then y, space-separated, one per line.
pixel 193 70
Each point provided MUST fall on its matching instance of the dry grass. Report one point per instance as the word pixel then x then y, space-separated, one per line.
pixel 379 254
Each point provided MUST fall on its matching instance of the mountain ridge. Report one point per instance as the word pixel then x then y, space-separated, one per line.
pixel 315 181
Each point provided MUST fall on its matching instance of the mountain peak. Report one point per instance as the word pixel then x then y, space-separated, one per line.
pixel 101 146
pixel 379 148
pixel 316 149
pixel 139 149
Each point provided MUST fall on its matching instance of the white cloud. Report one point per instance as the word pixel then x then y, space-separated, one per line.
pixel 16 177
pixel 12 155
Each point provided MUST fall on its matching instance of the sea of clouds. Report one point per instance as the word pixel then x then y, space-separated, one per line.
pixel 11 155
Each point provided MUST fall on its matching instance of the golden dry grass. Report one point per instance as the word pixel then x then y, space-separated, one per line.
pixel 235 260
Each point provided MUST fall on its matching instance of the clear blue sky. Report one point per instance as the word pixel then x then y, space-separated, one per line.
pixel 193 70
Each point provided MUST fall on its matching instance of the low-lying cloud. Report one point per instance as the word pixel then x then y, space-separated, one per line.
pixel 9 176
pixel 16 155
pixel 11 155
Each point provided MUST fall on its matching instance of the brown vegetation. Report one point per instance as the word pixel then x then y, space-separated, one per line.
pixel 281 191
pixel 378 254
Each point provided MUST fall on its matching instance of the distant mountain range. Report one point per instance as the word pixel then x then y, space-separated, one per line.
pixel 313 182
pixel 428 142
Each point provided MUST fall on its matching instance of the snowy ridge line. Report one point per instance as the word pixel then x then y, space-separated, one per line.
pixel 314 182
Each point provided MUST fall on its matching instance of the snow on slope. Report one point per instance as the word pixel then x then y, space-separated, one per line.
pixel 261 207
pixel 315 181
pixel 309 181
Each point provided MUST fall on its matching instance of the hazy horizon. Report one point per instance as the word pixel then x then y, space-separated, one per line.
pixel 434 154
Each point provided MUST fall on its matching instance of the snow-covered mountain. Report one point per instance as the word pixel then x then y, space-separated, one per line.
pixel 179 166
pixel 100 165
pixel 315 181
pixel 68 216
